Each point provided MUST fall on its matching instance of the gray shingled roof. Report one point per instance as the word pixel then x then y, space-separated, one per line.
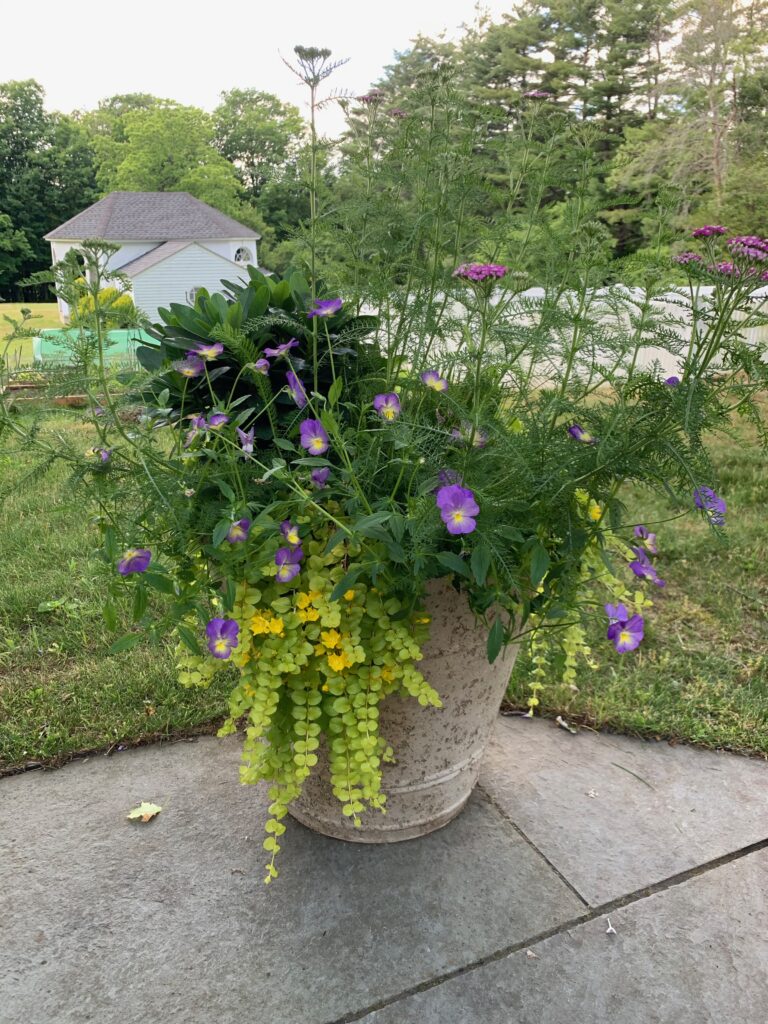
pixel 150 217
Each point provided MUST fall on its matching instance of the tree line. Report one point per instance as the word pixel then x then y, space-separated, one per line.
pixel 668 99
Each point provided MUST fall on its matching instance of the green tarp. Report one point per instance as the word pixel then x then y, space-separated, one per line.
pixel 50 346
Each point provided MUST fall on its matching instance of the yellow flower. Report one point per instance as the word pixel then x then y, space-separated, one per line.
pixel 423 619
pixel 595 513
pixel 319 650
pixel 338 662
pixel 386 673
pixel 259 624
pixel 330 638
pixel 303 600
pixel 325 687
pixel 349 595
pixel 314 595
pixel 309 615
pixel 276 626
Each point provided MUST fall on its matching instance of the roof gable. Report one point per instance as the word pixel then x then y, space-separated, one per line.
pixel 150 217
pixel 165 251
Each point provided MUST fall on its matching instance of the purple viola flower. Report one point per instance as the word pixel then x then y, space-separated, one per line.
pixel 626 635
pixel 297 389
pixel 191 366
pixel 616 612
pixel 708 230
pixel 288 562
pixel 216 420
pixel 291 533
pixel 649 538
pixel 313 437
pixel 479 272
pixel 222 637
pixel 709 502
pixel 261 366
pixel 320 476
pixel 641 566
pixel 433 380
pixel 282 348
pixel 238 532
pixel 134 560
pixel 325 307
pixel 197 422
pixel 207 352
pixel 672 382
pixel 576 431
pixel 457 508
pixel 246 437
pixel 387 406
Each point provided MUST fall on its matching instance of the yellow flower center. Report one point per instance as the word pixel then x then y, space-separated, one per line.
pixel 457 516
pixel 292 536
pixel 389 412
pixel 625 637
pixel 221 646
pixel 316 444
pixel 349 595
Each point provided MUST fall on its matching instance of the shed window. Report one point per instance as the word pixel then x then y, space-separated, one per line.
pixel 243 255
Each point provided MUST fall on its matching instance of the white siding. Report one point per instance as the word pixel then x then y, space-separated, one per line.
pixel 174 278
pixel 227 247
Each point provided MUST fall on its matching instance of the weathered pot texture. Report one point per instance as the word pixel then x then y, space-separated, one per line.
pixel 437 750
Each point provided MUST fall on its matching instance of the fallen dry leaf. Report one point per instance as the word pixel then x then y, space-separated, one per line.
pixel 144 812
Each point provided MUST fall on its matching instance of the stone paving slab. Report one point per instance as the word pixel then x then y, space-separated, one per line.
pixel 696 953
pixel 616 814
pixel 106 921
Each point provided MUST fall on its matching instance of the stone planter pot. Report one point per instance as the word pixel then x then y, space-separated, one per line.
pixel 438 751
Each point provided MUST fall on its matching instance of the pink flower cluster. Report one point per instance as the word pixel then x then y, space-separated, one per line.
pixel 479 272
pixel 751 246
pixel 710 229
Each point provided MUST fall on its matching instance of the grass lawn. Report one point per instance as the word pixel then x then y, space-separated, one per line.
pixel 60 693
pixel 20 352
pixel 700 676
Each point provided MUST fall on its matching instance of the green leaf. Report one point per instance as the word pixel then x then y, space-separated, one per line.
pixel 220 531
pixel 226 490
pixel 480 562
pixel 284 443
pixel 539 564
pixel 452 561
pixel 139 602
pixel 110 616
pixel 158 581
pixel 336 538
pixel 495 639
pixel 334 392
pixel 188 638
pixel 346 582
pixel 125 643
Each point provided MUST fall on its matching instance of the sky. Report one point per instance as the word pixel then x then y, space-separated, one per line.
pixel 191 51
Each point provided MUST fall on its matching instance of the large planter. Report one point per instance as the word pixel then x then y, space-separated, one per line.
pixel 438 751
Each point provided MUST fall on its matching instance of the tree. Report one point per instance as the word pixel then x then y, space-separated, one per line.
pixel 46 175
pixel 258 133
pixel 14 251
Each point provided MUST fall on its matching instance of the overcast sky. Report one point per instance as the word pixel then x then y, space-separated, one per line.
pixel 190 51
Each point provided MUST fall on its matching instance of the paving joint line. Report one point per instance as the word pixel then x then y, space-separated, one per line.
pixel 560 929
pixel 516 828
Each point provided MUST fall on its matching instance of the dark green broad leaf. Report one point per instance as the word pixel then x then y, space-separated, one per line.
pixel 396 551
pixel 260 301
pixel 226 490
pixel 139 602
pixel 285 444
pixel 480 563
pixel 371 526
pixel 280 294
pixel 125 643
pixel 495 639
pixel 220 531
pixel 346 582
pixel 159 581
pixel 336 538
pixel 110 616
pixel 539 563
pixel 188 638
pixel 149 357
pixel 452 561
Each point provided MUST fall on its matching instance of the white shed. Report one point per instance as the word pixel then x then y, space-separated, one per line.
pixel 169 244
